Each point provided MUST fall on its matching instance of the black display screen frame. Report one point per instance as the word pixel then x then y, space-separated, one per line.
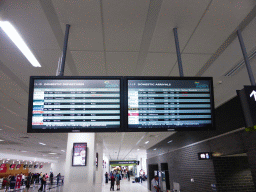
pixel 206 128
pixel 66 130
pixel 73 153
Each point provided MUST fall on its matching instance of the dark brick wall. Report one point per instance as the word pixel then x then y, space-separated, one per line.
pixel 184 165
pixel 233 174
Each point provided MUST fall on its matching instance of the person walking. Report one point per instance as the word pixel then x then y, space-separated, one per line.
pixel 58 179
pixel 28 182
pixel 128 175
pixel 118 178
pixel 43 184
pixel 51 178
pixel 112 182
pixel 154 184
pixel 106 177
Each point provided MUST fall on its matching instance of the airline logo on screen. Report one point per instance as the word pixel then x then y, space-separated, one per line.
pixel 198 85
pixel 110 85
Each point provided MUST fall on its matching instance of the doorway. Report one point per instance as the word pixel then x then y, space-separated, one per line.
pixel 151 169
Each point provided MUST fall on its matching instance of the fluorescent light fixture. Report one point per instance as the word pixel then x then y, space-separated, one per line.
pixel 169 141
pixel 146 142
pixel 1 140
pixel 52 153
pixel 63 150
pixel 42 143
pixel 154 149
pixel 19 42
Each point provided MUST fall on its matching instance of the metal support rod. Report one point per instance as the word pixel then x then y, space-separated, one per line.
pixel 246 60
pixel 178 51
pixel 62 67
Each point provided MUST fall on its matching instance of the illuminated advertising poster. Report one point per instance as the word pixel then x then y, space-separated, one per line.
pixel 12 166
pixel 3 168
pixel 41 166
pixel 79 154
pixel 18 166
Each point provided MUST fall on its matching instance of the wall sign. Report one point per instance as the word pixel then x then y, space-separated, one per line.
pixel 248 102
pixel 205 156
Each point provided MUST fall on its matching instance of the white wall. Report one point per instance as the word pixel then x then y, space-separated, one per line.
pixel 106 159
pixel 99 169
pixel 142 157
pixel 46 169
pixel 80 178
pixel 57 168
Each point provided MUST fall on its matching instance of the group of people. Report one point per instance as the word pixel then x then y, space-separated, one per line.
pixel 116 176
pixel 32 178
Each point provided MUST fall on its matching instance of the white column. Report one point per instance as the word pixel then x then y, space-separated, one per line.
pixel 80 178
pixel 99 170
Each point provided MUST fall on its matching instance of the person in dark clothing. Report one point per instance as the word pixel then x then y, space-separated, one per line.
pixel 28 182
pixel 106 177
pixel 12 183
pixel 112 182
pixel 58 178
pixel 43 184
pixel 128 175
pixel 51 178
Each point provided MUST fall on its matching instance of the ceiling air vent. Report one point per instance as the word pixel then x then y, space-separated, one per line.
pixel 240 64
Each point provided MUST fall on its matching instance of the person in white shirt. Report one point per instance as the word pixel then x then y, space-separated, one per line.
pixel 23 179
pixel 154 184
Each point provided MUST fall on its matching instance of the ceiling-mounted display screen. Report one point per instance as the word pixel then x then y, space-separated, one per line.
pixel 70 104
pixel 169 103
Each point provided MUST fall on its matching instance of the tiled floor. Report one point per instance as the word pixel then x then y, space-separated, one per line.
pixel 125 186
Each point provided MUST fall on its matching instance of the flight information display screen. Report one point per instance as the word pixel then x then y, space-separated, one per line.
pixel 75 104
pixel 169 104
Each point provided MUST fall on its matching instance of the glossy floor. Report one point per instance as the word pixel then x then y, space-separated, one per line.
pixel 125 186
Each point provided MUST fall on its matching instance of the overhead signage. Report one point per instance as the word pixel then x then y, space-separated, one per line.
pixel 123 162
pixel 248 102
pixel 205 156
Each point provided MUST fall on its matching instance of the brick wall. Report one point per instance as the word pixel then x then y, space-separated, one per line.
pixel 233 174
pixel 184 165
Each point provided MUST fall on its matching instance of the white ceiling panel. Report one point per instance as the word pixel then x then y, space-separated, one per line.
pixel 89 63
pixel 29 19
pixel 121 63
pixel 85 20
pixel 220 21
pixel 249 35
pixel 124 22
pixel 159 64
pixel 175 70
pixel 192 62
pixel 183 15
pixel 229 58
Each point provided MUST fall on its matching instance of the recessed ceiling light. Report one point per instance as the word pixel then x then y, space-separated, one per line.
pixel 154 149
pixel 169 141
pixel 146 142
pixel 52 153
pixel 19 42
pixel 1 140
pixel 42 143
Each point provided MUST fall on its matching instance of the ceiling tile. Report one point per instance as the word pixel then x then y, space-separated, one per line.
pixel 220 21
pixel 159 64
pixel 183 15
pixel 89 63
pixel 121 63
pixel 124 22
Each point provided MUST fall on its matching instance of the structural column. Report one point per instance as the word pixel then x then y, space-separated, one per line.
pixel 80 178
